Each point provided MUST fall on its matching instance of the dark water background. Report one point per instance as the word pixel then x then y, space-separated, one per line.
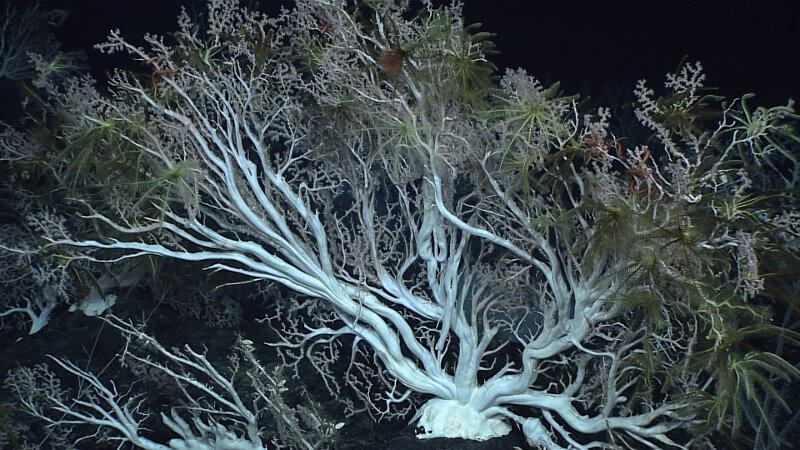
pixel 589 46
pixel 595 48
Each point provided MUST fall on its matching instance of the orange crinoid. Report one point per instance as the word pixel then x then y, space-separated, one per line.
pixel 391 62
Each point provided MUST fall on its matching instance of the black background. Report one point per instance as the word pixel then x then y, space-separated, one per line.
pixel 591 47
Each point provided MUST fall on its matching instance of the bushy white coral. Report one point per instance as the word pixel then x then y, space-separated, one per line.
pixel 500 261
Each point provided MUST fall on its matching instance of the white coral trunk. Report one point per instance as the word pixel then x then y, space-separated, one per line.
pixel 440 418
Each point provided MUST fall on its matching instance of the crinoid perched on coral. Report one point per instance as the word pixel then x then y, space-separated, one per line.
pixel 474 252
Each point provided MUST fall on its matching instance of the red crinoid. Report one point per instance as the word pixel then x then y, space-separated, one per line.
pixel 391 62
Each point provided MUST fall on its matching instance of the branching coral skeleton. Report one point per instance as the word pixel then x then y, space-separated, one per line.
pixel 468 269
